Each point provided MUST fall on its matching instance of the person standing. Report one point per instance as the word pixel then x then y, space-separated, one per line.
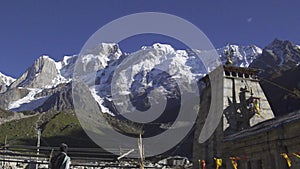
pixel 61 160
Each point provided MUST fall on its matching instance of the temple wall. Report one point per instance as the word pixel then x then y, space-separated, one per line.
pixel 259 146
pixel 266 111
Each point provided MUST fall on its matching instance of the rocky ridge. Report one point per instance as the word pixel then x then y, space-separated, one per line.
pixel 48 82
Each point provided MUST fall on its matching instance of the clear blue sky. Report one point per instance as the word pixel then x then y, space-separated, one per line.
pixel 56 28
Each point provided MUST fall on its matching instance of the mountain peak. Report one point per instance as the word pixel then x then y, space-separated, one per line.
pixel 166 47
pixel 160 46
pixel 47 74
pixel 5 81
pixel 41 74
pixel 277 43
pixel 44 57
pixel 109 50
pixel 241 56
pixel 280 55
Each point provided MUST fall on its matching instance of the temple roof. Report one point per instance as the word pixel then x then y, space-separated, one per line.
pixel 265 126
pixel 241 70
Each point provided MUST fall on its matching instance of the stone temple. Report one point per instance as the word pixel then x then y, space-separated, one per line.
pixel 248 132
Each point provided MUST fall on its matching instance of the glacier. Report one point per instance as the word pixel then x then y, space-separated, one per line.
pixel 100 63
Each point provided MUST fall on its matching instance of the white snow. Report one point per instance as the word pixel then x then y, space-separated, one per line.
pixel 46 57
pixel 104 59
pixel 164 47
pixel 257 49
pixel 59 79
pixel 66 58
pixel 100 101
pixel 58 65
pixel 160 56
pixel 29 102
pixel 241 56
pixel 110 48
pixel 7 80
pixel 180 64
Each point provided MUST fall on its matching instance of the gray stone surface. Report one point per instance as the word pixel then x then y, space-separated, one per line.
pixel 39 75
pixel 259 145
pixel 11 95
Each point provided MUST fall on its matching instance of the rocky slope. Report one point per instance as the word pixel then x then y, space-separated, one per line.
pixel 5 81
pixel 279 63
pixel 278 57
pixel 241 56
pixel 46 85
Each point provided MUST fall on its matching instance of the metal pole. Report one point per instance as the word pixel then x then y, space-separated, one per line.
pixel 38 147
pixel 141 150
pixel 5 147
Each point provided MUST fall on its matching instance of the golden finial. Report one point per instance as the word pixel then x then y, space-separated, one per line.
pixel 228 62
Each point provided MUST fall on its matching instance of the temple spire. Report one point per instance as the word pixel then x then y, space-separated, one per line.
pixel 228 61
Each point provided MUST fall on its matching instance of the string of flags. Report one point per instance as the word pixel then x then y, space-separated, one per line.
pixel 287 157
pixel 219 161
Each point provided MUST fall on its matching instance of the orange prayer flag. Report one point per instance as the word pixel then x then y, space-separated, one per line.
pixel 202 163
pixel 233 162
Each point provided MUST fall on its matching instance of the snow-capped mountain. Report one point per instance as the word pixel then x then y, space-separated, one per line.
pixel 147 71
pixel 48 80
pixel 278 56
pixel 280 64
pixel 44 73
pixel 241 56
pixel 5 81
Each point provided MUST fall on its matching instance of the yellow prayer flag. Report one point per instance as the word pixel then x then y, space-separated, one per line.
pixel 288 160
pixel 256 105
pixel 296 154
pixel 218 162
